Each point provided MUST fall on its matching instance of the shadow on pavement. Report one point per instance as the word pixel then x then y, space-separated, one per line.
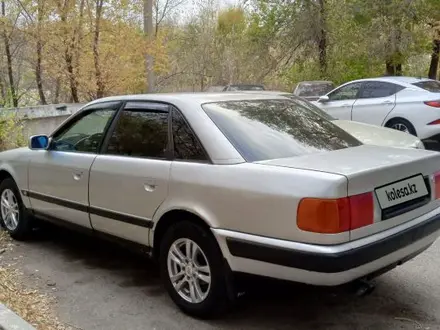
pixel 267 304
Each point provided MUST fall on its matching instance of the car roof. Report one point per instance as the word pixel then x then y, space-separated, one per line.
pixel 316 82
pixel 191 98
pixel 401 80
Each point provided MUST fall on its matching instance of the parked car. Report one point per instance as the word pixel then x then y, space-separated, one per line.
pixel 366 133
pixel 215 89
pixel 312 90
pixel 213 184
pixel 408 104
pixel 235 87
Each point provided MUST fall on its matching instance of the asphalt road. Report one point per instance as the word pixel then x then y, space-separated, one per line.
pixel 99 285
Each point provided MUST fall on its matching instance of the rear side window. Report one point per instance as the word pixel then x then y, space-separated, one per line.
pixel 270 129
pixel 140 133
pixel 429 85
pixel 375 89
pixel 186 144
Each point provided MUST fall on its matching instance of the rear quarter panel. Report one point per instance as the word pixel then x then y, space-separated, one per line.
pixel 410 106
pixel 251 198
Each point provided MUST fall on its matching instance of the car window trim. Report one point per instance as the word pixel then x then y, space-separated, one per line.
pixel 81 114
pixel 208 159
pixel 106 140
pixel 343 86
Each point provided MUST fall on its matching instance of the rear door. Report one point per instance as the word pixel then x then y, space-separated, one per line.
pixel 376 100
pixel 129 179
pixel 341 101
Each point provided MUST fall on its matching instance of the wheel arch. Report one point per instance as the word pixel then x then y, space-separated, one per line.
pixel 5 174
pixel 7 171
pixel 171 217
pixel 397 118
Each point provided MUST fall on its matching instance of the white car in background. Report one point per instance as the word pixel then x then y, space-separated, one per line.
pixel 407 104
pixel 366 133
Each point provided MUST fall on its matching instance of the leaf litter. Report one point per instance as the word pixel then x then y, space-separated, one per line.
pixel 30 304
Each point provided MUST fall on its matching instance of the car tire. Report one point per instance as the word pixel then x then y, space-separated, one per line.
pixel 14 216
pixel 212 297
pixel 402 125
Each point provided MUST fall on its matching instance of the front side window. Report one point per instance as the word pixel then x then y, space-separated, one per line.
pixel 86 131
pixel 270 129
pixel 375 89
pixel 186 144
pixel 347 92
pixel 140 133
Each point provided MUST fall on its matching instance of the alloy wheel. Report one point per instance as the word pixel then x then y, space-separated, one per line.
pixel 401 127
pixel 9 209
pixel 189 270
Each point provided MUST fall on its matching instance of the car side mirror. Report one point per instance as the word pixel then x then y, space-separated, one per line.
pixel 323 99
pixel 39 142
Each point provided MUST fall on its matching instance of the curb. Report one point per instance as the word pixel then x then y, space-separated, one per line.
pixel 11 321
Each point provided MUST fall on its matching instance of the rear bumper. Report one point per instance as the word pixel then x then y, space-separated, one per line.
pixel 328 265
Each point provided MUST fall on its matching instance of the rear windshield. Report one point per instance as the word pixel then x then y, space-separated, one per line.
pixel 271 129
pixel 429 85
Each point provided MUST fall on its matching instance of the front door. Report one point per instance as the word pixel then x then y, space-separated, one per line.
pixel 59 176
pixel 341 101
pixel 129 180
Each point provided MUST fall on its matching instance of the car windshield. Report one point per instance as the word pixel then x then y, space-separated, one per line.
pixel 278 128
pixel 314 89
pixel 429 85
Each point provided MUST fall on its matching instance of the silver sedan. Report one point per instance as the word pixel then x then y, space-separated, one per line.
pixel 215 184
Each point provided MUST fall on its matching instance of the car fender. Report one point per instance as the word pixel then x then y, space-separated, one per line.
pixel 20 177
pixel 180 204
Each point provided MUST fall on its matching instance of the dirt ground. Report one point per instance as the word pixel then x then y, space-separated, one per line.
pixel 99 285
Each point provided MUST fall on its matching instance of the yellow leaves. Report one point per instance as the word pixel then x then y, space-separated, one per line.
pixel 11 132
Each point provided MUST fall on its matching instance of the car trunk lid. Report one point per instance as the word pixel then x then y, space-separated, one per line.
pixel 401 180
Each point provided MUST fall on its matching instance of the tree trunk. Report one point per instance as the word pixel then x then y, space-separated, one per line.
pixel 149 35
pixel 12 90
pixel 68 55
pixel 38 69
pixel 2 94
pixel 433 67
pixel 393 63
pixel 322 40
pixel 56 98
pixel 98 75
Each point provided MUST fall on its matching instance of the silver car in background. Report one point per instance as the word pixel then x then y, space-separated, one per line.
pixel 214 184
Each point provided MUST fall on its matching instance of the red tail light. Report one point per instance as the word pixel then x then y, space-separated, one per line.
pixel 435 104
pixel 435 122
pixel 331 216
pixel 437 185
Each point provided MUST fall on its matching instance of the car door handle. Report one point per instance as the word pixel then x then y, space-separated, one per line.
pixel 77 176
pixel 346 105
pixel 387 102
